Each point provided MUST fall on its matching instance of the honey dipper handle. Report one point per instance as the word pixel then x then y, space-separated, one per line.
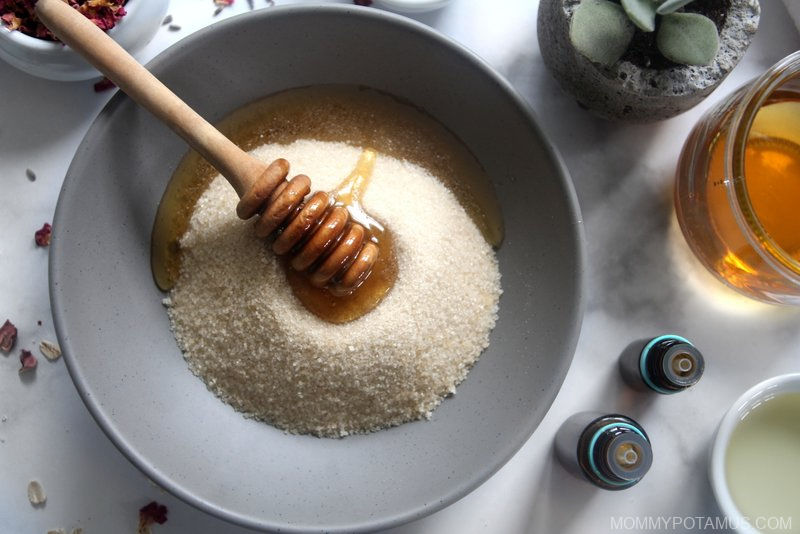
pixel 80 34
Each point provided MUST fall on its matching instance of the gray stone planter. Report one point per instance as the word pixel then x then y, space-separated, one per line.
pixel 627 92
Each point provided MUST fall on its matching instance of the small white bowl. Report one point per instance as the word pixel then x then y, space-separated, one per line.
pixel 789 383
pixel 412 6
pixel 54 61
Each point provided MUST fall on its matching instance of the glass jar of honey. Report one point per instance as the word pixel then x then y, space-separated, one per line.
pixel 737 194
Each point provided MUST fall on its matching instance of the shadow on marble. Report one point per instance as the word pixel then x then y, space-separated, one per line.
pixel 628 400
pixel 19 134
pixel 597 150
pixel 558 494
pixel 28 378
pixel 701 496
pixel 626 216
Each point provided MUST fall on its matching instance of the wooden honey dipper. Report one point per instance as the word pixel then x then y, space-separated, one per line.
pixel 320 231
pixel 321 235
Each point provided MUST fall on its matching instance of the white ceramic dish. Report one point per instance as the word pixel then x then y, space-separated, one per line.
pixel 412 6
pixel 54 61
pixel 753 397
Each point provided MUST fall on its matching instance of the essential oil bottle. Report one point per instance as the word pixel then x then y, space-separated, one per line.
pixel 665 364
pixel 611 451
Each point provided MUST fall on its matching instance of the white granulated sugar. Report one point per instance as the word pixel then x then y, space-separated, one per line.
pixel 255 345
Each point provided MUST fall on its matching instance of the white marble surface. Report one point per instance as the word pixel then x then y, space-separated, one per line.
pixel 641 281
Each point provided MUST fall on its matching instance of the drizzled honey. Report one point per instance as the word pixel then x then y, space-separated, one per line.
pixel 772 182
pixel 772 168
pixel 350 114
pixel 340 307
pixel 741 220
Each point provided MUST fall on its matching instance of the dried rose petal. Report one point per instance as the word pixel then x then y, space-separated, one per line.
pixel 20 15
pixel 50 350
pixel 27 360
pixel 12 21
pixel 362 2
pixel 36 493
pixel 8 336
pixel 152 513
pixel 104 85
pixel 42 236
pixel 223 2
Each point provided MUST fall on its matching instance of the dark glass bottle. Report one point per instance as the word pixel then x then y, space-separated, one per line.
pixel 611 451
pixel 665 364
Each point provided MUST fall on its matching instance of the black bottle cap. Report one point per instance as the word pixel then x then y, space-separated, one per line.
pixel 682 365
pixel 628 456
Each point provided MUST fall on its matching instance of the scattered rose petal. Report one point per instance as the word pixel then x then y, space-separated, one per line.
pixel 151 513
pixel 223 2
pixel 36 493
pixel 12 21
pixel 50 350
pixel 30 174
pixel 362 2
pixel 8 336
pixel 166 20
pixel 173 27
pixel 104 85
pixel 42 236
pixel 27 360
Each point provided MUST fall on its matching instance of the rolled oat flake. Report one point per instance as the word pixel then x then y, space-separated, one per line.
pixel 36 493
pixel 50 350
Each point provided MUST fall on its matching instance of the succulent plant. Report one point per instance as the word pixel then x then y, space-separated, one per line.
pixel 602 30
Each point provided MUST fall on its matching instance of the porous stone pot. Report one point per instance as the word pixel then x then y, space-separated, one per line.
pixel 627 92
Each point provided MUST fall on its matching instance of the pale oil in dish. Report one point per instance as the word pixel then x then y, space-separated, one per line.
pixel 762 462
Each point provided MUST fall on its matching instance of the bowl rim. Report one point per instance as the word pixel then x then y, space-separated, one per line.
pixel 43 45
pixel 515 442
pixel 780 384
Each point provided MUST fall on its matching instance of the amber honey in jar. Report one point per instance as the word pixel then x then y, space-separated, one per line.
pixel 737 193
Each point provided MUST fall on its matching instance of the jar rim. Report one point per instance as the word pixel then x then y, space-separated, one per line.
pixel 757 93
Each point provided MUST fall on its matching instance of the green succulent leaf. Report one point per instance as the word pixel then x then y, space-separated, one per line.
pixel 671 6
pixel 688 38
pixel 642 13
pixel 601 31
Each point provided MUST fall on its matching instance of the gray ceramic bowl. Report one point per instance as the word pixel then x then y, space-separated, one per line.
pixel 115 333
